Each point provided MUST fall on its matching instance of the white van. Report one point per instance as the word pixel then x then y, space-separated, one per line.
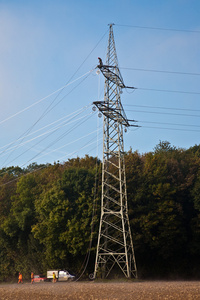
pixel 61 275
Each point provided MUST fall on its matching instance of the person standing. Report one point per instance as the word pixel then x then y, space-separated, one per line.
pixel 32 277
pixel 100 62
pixel 20 278
pixel 54 277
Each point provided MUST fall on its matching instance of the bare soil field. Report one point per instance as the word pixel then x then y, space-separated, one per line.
pixel 148 290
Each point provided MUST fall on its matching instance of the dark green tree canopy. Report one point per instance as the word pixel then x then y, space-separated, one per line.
pixel 48 213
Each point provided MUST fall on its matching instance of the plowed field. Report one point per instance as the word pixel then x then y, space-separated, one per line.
pixel 148 290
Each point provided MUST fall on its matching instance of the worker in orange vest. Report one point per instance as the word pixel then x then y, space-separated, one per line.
pixel 20 278
pixel 32 277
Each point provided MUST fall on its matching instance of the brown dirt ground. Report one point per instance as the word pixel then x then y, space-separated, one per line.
pixel 148 290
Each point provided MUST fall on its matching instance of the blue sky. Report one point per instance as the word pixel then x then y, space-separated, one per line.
pixel 46 45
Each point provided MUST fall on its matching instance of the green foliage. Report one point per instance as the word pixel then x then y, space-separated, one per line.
pixel 163 146
pixel 64 216
pixel 163 193
pixel 49 212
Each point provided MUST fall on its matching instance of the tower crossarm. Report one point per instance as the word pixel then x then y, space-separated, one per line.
pixel 112 113
pixel 110 74
pixel 115 114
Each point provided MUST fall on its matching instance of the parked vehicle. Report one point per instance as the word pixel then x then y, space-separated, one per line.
pixel 39 278
pixel 61 275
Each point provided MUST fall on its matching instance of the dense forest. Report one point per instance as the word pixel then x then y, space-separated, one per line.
pixel 49 214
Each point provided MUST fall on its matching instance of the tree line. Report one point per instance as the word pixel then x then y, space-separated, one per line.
pixel 49 214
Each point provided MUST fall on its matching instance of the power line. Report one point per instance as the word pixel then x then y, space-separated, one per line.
pixel 44 166
pixel 49 108
pixel 49 132
pixel 17 178
pixel 42 99
pixel 88 143
pixel 159 28
pixel 163 113
pixel 40 129
pixel 58 139
pixel 60 90
pixel 43 149
pixel 178 129
pixel 71 142
pixel 161 107
pixel 168 91
pixel 161 71
pixel 53 142
pixel 172 124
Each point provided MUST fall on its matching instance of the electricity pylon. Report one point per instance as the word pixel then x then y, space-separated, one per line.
pixel 115 245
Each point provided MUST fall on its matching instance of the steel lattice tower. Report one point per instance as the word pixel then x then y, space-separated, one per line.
pixel 115 246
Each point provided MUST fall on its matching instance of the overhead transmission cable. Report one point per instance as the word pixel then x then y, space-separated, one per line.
pixel 88 143
pixel 42 99
pixel 165 123
pixel 52 130
pixel 59 138
pixel 23 136
pixel 163 113
pixel 161 107
pixel 49 107
pixel 168 128
pixel 161 71
pixel 82 64
pixel 43 140
pixel 60 158
pixel 39 141
pixel 71 142
pixel 72 117
pixel 168 91
pixel 48 125
pixel 159 28
pixel 26 174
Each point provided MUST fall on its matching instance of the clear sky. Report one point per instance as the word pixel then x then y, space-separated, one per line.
pixel 48 44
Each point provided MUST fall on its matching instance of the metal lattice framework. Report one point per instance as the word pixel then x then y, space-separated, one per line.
pixel 115 246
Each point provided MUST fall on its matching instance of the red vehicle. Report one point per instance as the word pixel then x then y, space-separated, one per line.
pixel 39 278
